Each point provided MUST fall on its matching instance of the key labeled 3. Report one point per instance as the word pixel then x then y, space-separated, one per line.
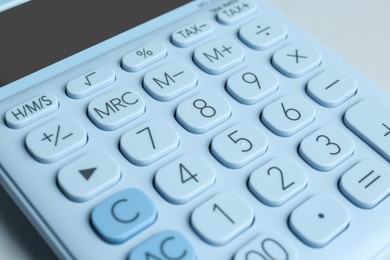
pixel 326 148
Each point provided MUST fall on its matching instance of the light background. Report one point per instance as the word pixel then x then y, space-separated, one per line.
pixel 358 30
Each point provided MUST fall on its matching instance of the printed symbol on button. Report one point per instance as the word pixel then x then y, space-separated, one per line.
pixel 121 219
pixel 87 173
pixel 252 78
pixel 371 182
pixel 48 137
pixel 321 215
pixel 388 128
pixel 332 84
pixel 263 30
pixel 296 56
pixel 88 83
pixel 218 53
pixel 191 30
pixel 168 79
pixel 145 53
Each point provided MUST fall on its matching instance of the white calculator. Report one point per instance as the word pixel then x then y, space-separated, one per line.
pixel 210 129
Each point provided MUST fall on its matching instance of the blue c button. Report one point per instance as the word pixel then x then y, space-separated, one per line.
pixel 123 215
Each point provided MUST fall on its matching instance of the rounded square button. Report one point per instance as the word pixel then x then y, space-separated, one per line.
pixel 277 181
pixel 262 33
pixel 239 145
pixel 326 148
pixel 90 82
pixel 332 88
pixel 170 81
pixel 252 84
pixel 296 59
pixel 116 108
pixel 222 218
pixel 184 178
pixel 56 139
pixel 288 115
pixel 203 112
pixel 123 215
pixel 149 142
pixel 218 56
pixel 367 183
pixel 88 175
pixel 319 220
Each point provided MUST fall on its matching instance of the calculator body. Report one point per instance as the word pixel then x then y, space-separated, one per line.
pixel 31 175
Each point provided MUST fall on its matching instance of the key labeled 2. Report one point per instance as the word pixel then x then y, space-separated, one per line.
pixel 277 181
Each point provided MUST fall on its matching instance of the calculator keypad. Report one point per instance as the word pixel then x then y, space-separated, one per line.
pixel 192 139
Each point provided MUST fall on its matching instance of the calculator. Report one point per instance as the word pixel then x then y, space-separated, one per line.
pixel 209 129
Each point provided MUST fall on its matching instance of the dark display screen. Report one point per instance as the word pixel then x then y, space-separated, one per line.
pixel 42 32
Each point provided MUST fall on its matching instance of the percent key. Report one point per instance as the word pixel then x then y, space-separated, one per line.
pixel 144 56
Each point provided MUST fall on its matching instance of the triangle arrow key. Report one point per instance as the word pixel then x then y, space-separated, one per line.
pixel 87 173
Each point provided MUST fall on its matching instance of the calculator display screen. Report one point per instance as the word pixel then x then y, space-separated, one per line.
pixel 42 32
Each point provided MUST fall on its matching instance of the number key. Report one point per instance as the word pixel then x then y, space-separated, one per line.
pixel 239 145
pixel 149 142
pixel 203 112
pixel 277 181
pixel 184 178
pixel 326 148
pixel 222 218
pixel 288 115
